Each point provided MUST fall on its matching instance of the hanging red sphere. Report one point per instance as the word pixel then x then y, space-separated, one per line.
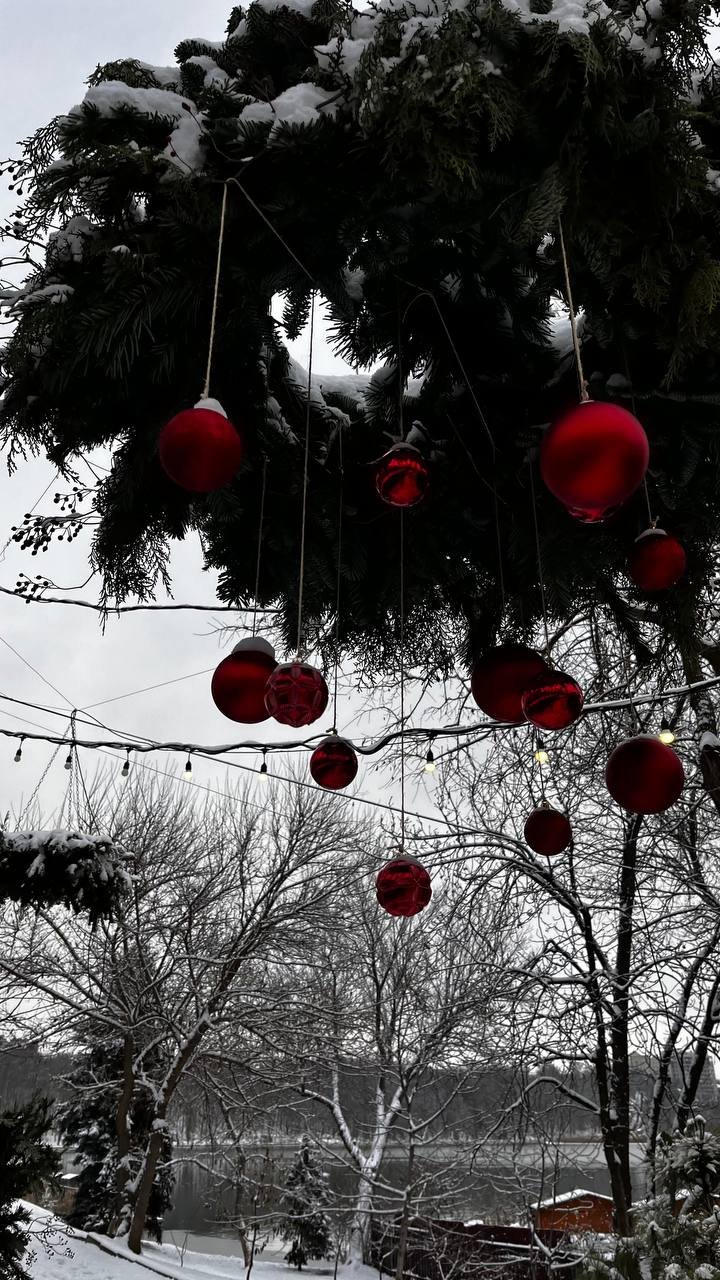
pixel 200 449
pixel 644 775
pixel 238 683
pixel 593 458
pixel 296 693
pixel 333 763
pixel 657 561
pixel 403 887
pixel 500 678
pixel 547 831
pixel 402 477
pixel 553 700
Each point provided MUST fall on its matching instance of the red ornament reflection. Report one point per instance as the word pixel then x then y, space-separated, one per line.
pixel 296 694
pixel 593 458
pixel 403 887
pixel 402 477
pixel 199 449
pixel 553 700
pixel 333 763
pixel 547 831
pixel 239 682
pixel 644 775
pixel 657 561
pixel 500 678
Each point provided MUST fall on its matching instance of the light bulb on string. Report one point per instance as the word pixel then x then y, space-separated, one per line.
pixel 666 734
pixel 18 754
pixel 430 765
pixel 126 767
pixel 263 767
pixel 540 753
pixel 188 768
pixel 69 760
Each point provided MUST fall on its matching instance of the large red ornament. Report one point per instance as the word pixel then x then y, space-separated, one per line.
pixel 644 776
pixel 553 700
pixel 500 678
pixel 296 693
pixel 401 476
pixel 403 887
pixel 593 458
pixel 238 683
pixel 657 561
pixel 547 831
pixel 200 449
pixel 333 763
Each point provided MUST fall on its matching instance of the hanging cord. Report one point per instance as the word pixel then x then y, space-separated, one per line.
pixel 70 765
pixel 300 639
pixel 337 590
pixel 259 545
pixel 402 680
pixel 584 394
pixel 213 317
pixel 539 556
pixel 33 794
pixel 275 232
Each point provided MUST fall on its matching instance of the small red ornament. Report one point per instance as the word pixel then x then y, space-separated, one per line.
pixel 553 700
pixel 500 678
pixel 333 763
pixel 238 683
pixel 401 476
pixel 200 449
pixel 296 693
pixel 657 561
pixel 644 775
pixel 547 831
pixel 593 458
pixel 403 887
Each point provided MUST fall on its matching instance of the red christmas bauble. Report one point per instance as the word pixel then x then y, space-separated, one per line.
pixel 657 561
pixel 547 831
pixel 403 887
pixel 200 449
pixel 333 763
pixel 644 776
pixel 296 694
pixel 593 458
pixel 402 477
pixel 500 678
pixel 553 700
pixel 238 683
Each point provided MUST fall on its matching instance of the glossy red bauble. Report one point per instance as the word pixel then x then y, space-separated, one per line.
pixel 403 887
pixel 547 831
pixel 500 678
pixel 333 763
pixel 296 694
pixel 593 458
pixel 553 700
pixel 239 682
pixel 657 561
pixel 200 449
pixel 644 776
pixel 401 476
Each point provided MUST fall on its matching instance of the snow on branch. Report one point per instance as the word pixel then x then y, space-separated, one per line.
pixel 64 868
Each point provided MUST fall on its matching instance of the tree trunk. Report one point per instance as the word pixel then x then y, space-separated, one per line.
pixel 146 1178
pixel 122 1132
pixel 405 1220
pixel 706 729
pixel 360 1229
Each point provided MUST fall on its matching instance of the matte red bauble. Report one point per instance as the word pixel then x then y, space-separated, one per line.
pixel 500 678
pixel 644 776
pixel 593 458
pixel 547 831
pixel 403 887
pixel 333 763
pixel 657 561
pixel 296 694
pixel 553 700
pixel 238 683
pixel 200 449
pixel 401 476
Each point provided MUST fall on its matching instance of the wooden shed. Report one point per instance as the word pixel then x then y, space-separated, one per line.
pixel 575 1211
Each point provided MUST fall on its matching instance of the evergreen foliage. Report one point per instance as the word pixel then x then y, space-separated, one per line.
pixel 63 868
pixel 305 1223
pixel 26 1162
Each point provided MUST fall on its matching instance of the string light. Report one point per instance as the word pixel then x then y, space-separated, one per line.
pixel 430 765
pixel 68 762
pixel 188 767
pixel 126 767
pixel 540 753
pixel 18 754
pixel 263 767
pixel 666 735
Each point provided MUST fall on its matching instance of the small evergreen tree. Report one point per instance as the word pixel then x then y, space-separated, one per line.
pixel 305 1223
pixel 25 1163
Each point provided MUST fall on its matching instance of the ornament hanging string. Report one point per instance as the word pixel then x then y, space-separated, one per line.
pixel 584 394
pixel 539 556
pixel 300 638
pixel 337 589
pixel 259 545
pixel 216 290
pixel 402 681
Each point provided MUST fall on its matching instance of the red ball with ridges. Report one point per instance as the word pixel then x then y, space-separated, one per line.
pixel 593 458
pixel 333 763
pixel 644 775
pixel 239 682
pixel 547 831
pixel 553 700
pixel 200 450
pixel 296 694
pixel 657 561
pixel 403 887
pixel 500 678
pixel 401 476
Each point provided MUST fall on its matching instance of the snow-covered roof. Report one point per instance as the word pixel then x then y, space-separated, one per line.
pixel 566 1197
